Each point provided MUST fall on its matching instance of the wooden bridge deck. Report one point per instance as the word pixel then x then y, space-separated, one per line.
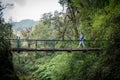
pixel 56 49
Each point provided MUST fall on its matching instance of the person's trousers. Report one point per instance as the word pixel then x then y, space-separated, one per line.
pixel 81 42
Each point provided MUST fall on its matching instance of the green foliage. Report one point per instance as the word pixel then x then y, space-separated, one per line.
pixel 67 66
pixel 59 65
pixel 40 29
pixel 98 20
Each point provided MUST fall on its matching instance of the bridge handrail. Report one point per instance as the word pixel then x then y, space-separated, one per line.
pixel 56 40
pixel 53 44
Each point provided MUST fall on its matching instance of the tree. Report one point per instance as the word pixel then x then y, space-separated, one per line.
pixel 70 16
pixel 6 68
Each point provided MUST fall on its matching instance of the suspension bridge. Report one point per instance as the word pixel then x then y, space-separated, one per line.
pixel 21 45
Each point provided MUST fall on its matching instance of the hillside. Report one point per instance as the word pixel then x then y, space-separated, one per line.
pixel 23 24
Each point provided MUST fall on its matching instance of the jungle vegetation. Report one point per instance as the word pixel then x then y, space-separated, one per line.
pixel 97 19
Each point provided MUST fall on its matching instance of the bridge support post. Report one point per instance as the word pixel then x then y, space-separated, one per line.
pixel 18 44
pixel 53 45
pixel 36 46
pixel 70 45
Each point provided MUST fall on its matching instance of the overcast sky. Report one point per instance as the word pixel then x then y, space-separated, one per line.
pixel 30 9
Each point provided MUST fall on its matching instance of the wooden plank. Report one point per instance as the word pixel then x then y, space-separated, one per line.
pixel 57 49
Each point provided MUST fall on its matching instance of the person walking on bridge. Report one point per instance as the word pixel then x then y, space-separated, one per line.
pixel 81 40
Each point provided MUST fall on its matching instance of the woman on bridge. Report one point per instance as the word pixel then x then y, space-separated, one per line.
pixel 81 40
